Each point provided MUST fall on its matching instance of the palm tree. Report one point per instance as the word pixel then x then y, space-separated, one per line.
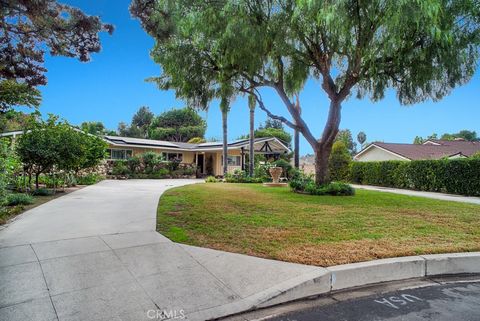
pixel 361 137
pixel 251 153
pixel 225 108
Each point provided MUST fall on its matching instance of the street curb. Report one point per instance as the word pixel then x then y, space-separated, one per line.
pixel 348 276
pixel 385 270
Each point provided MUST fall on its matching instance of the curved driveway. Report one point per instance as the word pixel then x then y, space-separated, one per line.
pixel 94 255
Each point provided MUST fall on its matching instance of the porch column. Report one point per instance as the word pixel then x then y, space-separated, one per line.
pixel 243 158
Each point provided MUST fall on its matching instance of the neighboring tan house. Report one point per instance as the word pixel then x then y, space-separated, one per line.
pixel 207 156
pixel 431 149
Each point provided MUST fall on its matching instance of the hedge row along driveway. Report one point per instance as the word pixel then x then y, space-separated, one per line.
pixel 321 230
pixel 461 176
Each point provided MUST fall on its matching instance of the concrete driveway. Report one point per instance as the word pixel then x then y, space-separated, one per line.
pixel 94 254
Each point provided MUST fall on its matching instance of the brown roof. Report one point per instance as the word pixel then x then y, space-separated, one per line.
pixel 432 149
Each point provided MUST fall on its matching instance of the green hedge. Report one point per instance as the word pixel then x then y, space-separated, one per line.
pixel 459 176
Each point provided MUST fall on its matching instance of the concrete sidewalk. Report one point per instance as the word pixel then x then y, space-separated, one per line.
pixel 94 255
pixel 438 196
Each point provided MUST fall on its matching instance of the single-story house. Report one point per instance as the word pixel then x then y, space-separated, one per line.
pixel 431 149
pixel 207 156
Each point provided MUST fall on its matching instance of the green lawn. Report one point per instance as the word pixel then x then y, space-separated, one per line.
pixel 320 230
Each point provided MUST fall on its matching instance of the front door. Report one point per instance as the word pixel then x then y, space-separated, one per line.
pixel 200 164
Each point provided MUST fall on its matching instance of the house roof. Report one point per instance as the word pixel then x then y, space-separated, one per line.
pixel 275 145
pixel 431 149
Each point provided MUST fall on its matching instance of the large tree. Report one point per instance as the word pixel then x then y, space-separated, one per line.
pixel 143 119
pixel 28 29
pixel 421 49
pixel 178 125
pixel 468 135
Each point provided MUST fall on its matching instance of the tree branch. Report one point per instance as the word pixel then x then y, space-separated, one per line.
pixel 273 116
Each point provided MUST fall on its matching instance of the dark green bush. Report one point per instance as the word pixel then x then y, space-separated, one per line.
pixel 339 162
pixel 42 192
pixel 120 168
pixel 18 199
pixel 306 184
pixel 456 176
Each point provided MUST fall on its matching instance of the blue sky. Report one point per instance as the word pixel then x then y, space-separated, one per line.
pixel 111 88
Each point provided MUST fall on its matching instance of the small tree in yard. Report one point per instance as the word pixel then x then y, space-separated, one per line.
pixel 339 163
pixel 421 49
pixel 52 146
pixel 9 164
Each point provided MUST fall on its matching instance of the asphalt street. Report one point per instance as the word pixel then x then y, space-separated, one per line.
pixel 449 302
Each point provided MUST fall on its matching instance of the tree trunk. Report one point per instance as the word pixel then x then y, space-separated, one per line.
pixel 321 165
pixel 225 142
pixel 296 151
pixel 324 147
pixel 251 154
pixel 36 180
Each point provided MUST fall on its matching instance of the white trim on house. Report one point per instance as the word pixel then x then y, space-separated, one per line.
pixel 457 155
pixel 381 148
pixel 429 142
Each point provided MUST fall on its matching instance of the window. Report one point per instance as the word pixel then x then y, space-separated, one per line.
pixel 233 160
pixel 171 156
pixel 119 153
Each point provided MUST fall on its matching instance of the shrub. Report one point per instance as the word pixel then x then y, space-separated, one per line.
pixel 18 199
pixel 133 164
pixel 89 179
pixel 42 192
pixel 339 163
pixel 306 184
pixel 458 176
pixel 150 161
pixel 333 188
pixel 211 179
pixel 300 181
pixel 239 176
pixel 120 168
pixel 173 164
pixel 159 173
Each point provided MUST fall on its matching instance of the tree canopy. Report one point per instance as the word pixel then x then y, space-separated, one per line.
pixel 54 145
pixel 273 128
pixel 217 49
pixel 178 125
pixel 468 135
pixel 29 28
pixel 361 138
pixel 13 94
pixel 345 136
